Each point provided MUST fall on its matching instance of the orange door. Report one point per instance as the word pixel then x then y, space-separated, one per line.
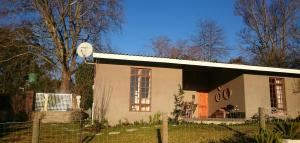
pixel 203 105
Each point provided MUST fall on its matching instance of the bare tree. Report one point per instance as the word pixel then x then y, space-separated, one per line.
pixel 295 60
pixel 238 60
pixel 161 46
pixel 18 60
pixel 208 44
pixel 210 40
pixel 269 29
pixel 62 24
pixel 181 49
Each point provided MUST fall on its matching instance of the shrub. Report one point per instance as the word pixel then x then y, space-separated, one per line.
pixel 21 116
pixel 78 115
pixel 268 118
pixel 99 125
pixel 136 123
pixel 288 130
pixel 142 122
pixel 123 122
pixel 266 136
pixel 18 108
pixel 155 119
pixel 172 121
pixel 126 122
pixel 298 118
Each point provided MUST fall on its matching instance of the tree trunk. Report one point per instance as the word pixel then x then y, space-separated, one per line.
pixel 65 84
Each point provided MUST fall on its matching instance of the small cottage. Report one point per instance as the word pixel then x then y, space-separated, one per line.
pixel 132 88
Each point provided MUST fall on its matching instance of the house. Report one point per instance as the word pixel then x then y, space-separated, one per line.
pixel 132 88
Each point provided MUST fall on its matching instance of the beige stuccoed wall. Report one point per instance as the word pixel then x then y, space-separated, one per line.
pixel 236 99
pixel 257 94
pixel 114 80
pixel 292 89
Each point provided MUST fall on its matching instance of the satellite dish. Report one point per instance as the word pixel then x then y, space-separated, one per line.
pixel 84 49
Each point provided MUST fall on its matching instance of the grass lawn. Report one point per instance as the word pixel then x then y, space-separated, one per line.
pixel 186 133
pixel 177 134
pixel 15 132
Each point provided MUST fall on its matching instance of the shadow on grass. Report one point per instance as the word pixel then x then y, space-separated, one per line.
pixel 87 139
pixel 238 137
pixel 10 129
pixel 158 136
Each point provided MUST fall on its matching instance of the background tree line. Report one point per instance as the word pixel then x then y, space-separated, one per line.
pixel 60 25
pixel 41 37
pixel 207 44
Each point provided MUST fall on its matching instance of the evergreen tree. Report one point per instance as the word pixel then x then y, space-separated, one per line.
pixel 178 110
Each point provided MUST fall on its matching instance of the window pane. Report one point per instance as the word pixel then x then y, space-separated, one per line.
pixel 147 81
pixel 277 93
pixel 133 71
pixel 145 72
pixel 136 100
pixel 144 93
pixel 139 90
pixel 145 108
pixel 143 82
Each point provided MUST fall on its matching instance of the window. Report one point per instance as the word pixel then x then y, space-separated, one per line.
pixel 140 89
pixel 277 93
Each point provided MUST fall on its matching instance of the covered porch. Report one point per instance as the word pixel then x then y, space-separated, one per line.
pixel 217 92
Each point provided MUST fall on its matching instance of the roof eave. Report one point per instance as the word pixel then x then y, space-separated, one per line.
pixel 193 63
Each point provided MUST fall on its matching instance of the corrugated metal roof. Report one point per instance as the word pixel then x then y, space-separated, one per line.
pixel 192 63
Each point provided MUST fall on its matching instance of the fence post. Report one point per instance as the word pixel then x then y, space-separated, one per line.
pixel 262 116
pixel 93 110
pixel 78 97
pixel 36 131
pixel 81 131
pixel 164 133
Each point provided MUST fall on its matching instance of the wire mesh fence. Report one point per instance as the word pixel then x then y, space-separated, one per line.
pixel 16 132
pixel 198 133
pixel 141 132
pixel 79 132
pixel 60 132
